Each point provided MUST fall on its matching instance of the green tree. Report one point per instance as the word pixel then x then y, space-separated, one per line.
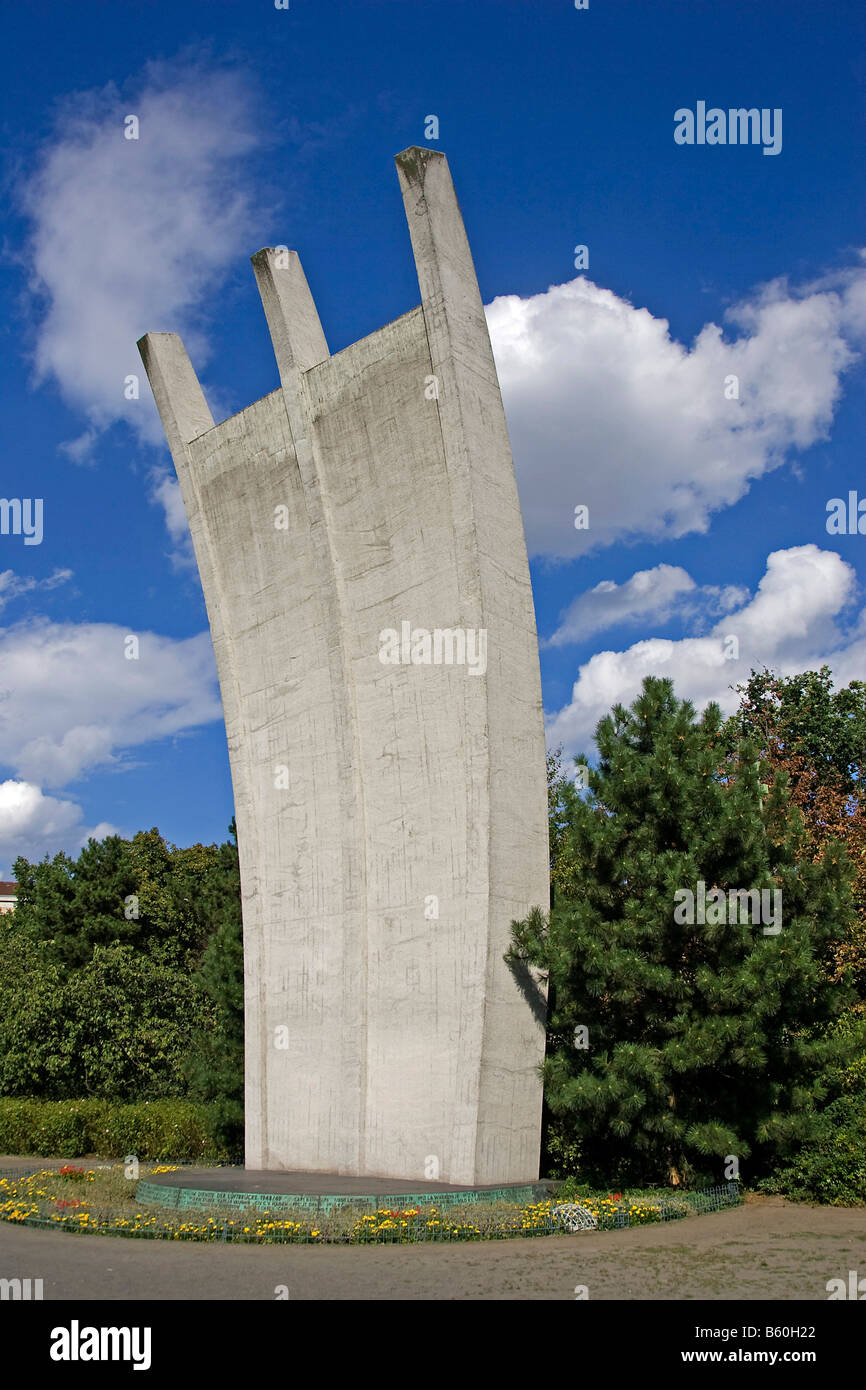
pixel 815 737
pixel 72 906
pixel 182 894
pixel 215 1064
pixel 118 1028
pixel 703 1039
pixel 107 972
pixel 164 901
pixel 562 798
pixel 804 716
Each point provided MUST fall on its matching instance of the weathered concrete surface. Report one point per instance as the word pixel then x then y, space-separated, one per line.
pixel 373 488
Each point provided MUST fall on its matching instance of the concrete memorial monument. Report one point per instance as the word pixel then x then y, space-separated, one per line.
pixel 361 551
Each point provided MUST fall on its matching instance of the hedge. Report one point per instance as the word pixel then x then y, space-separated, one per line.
pixel 179 1130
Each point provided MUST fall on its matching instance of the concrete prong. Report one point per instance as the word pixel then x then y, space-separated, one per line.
pixel 293 320
pixel 446 273
pixel 179 398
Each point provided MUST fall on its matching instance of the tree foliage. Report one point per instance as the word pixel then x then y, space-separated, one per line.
pixel 814 738
pixel 215 1064
pixel 703 1039
pixel 107 969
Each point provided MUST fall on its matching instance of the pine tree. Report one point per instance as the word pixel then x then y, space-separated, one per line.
pixel 676 1044
pixel 75 905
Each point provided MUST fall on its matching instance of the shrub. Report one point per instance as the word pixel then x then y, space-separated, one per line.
pixel 158 1129
pixel 833 1168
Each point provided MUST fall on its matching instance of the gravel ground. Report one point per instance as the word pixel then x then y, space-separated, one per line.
pixel 766 1249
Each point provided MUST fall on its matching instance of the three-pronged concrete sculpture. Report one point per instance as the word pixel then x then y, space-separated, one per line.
pixel 361 551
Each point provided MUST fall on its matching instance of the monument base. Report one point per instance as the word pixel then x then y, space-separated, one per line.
pixel 238 1188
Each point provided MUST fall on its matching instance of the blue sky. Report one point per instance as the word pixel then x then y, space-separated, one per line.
pixel 261 126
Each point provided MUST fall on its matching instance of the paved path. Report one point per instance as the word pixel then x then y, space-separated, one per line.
pixel 766 1249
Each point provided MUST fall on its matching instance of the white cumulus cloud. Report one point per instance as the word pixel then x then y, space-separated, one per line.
pixel 129 235
pixel 647 594
pixel 796 621
pixel 34 824
pixel 607 410
pixel 165 492
pixel 71 701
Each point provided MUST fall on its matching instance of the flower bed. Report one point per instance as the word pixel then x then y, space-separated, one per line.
pixel 104 1202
